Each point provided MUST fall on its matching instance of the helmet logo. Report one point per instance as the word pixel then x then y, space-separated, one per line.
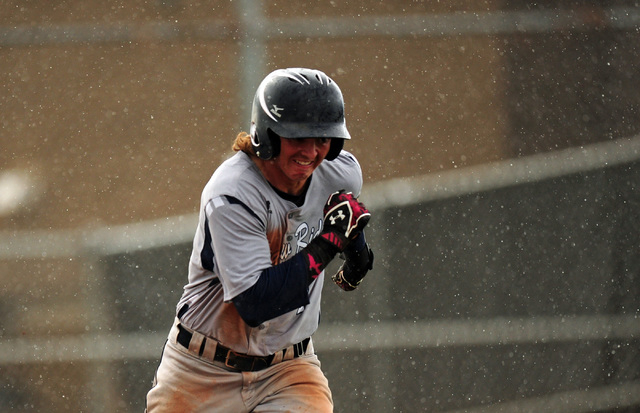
pixel 260 93
pixel 275 110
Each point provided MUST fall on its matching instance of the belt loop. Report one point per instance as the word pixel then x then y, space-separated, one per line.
pixel 277 357
pixel 209 352
pixel 288 354
pixel 196 343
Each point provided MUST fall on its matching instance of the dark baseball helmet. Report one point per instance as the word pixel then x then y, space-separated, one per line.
pixel 297 103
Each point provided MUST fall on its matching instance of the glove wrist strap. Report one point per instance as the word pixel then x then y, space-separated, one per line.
pixel 318 255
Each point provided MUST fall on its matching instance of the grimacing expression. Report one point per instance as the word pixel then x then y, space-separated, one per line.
pixel 298 159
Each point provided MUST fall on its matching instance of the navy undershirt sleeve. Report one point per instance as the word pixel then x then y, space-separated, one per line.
pixel 280 289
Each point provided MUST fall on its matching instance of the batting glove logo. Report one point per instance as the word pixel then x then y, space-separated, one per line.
pixel 337 216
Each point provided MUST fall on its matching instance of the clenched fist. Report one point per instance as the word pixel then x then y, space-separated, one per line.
pixel 344 218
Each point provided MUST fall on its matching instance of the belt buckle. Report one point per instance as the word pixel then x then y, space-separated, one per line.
pixel 237 361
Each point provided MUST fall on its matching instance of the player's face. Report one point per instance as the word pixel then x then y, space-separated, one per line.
pixel 296 162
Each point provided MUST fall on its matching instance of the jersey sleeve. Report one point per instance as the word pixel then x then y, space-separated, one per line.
pixel 349 172
pixel 241 249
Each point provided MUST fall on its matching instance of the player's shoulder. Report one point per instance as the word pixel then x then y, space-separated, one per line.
pixel 235 177
pixel 344 161
pixel 343 172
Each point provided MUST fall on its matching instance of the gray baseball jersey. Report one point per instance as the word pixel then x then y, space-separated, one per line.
pixel 244 228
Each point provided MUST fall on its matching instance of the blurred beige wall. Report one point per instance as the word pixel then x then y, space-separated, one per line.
pixel 113 132
pixel 126 121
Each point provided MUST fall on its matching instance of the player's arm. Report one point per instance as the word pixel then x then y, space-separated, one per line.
pixel 279 289
pixel 283 287
pixel 236 233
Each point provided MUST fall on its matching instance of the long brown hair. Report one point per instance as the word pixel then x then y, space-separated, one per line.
pixel 243 143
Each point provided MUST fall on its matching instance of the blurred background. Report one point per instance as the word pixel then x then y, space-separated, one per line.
pixel 500 150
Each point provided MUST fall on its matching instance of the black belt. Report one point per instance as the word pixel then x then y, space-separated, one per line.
pixel 238 361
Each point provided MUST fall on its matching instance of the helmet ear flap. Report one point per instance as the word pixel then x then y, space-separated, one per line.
pixel 265 147
pixel 335 148
pixel 274 141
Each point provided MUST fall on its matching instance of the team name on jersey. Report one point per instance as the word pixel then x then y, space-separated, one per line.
pixel 300 238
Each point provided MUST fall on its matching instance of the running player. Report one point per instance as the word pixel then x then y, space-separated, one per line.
pixel 271 218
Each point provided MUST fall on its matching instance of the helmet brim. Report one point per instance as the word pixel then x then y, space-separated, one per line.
pixel 306 130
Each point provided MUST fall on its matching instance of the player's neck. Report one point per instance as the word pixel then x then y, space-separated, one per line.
pixel 296 199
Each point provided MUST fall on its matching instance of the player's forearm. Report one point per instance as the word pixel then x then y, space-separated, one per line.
pixel 279 289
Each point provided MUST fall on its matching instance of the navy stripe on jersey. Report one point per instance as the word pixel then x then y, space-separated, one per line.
pixel 206 255
pixel 236 201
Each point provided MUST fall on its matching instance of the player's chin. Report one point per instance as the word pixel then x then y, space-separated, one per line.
pixel 299 177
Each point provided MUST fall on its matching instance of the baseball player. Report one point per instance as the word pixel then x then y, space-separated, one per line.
pixel 271 218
